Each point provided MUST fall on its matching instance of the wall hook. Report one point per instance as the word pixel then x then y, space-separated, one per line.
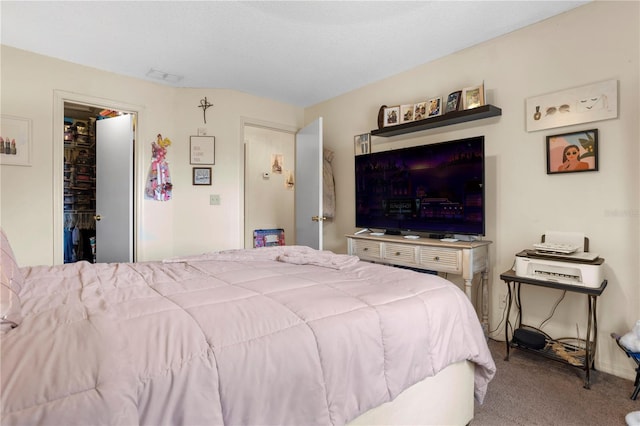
pixel 204 104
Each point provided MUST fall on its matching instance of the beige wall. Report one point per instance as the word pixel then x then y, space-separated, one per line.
pixel 580 47
pixel 185 225
pixel 570 50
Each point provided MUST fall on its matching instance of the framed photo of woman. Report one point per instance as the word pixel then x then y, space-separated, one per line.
pixel 572 152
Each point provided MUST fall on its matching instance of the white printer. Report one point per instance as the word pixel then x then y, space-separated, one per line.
pixel 578 267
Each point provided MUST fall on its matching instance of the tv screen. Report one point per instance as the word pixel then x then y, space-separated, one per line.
pixel 436 188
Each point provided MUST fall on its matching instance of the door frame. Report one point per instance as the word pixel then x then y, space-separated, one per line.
pixel 59 99
pixel 253 122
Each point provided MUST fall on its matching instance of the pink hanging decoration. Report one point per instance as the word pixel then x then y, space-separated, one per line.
pixel 159 185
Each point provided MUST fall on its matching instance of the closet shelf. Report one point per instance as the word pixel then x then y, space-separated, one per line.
pixel 451 118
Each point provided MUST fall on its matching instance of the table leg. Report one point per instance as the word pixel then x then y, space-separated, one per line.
pixel 507 322
pixel 589 356
pixel 485 302
pixel 467 287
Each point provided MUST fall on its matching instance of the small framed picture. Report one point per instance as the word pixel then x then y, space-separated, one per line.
pixel 202 150
pixel 406 113
pixel 453 102
pixel 434 107
pixel 361 144
pixel 391 116
pixel 15 141
pixel 473 97
pixel 420 111
pixel 572 152
pixel 202 175
pixel 277 162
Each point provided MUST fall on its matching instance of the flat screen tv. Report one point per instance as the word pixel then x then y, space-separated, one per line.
pixel 436 189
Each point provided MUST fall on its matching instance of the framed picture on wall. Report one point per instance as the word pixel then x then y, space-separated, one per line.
pixel 202 150
pixel 572 152
pixel 202 175
pixel 15 141
pixel 578 105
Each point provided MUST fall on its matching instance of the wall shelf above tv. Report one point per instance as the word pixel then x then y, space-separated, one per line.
pixel 455 117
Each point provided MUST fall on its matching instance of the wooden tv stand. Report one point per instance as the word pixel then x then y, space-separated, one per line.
pixel 459 258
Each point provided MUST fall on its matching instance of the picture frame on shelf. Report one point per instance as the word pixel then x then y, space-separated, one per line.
pixel 381 116
pixel 473 97
pixel 391 116
pixel 434 107
pixel 406 113
pixel 572 152
pixel 362 144
pixel 419 111
pixel 453 101
pixel 202 176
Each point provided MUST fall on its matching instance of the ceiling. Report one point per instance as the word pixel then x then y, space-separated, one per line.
pixel 299 52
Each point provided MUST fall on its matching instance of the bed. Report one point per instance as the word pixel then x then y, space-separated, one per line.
pixel 270 336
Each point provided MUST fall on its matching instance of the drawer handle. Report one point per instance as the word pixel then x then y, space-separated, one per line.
pixel 365 249
pixel 397 253
pixel 436 258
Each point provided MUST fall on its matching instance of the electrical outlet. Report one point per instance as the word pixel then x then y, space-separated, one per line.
pixel 214 199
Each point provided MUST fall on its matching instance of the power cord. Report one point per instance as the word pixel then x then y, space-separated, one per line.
pixel 504 312
pixel 554 309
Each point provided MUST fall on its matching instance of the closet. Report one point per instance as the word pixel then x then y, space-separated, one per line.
pixel 80 180
pixel 79 183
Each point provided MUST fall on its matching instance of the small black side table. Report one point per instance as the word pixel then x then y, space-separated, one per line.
pixel 571 352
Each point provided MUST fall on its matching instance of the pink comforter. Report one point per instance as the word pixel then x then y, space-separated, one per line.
pixel 270 336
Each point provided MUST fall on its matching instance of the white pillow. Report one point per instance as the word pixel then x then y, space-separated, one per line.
pixel 11 281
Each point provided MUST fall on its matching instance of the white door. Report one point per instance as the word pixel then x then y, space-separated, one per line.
pixel 308 182
pixel 114 189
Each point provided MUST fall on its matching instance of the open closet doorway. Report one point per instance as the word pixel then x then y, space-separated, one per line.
pixel 97 180
pixel 269 188
pixel 283 182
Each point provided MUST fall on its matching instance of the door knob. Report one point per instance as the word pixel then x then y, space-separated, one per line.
pixel 318 218
pixel 97 217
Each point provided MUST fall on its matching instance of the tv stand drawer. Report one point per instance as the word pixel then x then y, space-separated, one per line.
pixel 367 250
pixel 441 259
pixel 404 254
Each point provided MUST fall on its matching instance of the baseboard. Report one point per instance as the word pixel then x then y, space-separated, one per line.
pixel 618 370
